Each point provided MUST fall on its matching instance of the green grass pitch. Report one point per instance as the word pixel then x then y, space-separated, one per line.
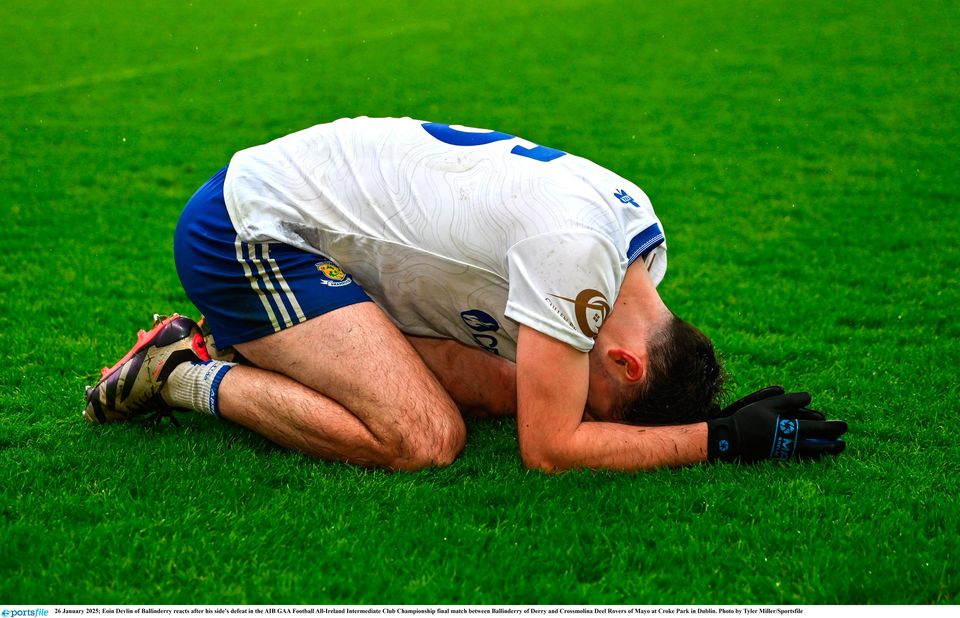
pixel 803 157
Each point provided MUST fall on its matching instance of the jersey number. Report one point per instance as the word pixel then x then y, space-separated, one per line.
pixel 448 135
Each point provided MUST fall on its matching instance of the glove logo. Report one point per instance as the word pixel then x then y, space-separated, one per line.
pixel 783 447
pixel 723 446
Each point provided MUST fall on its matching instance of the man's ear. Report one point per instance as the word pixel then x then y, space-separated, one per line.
pixel 633 365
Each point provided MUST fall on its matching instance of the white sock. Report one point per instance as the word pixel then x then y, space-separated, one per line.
pixel 194 386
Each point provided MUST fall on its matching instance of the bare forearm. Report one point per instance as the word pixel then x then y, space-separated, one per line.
pixel 613 446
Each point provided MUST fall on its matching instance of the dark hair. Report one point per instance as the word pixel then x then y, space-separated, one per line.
pixel 684 379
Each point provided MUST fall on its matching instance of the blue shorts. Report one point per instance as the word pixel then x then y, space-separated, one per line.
pixel 249 290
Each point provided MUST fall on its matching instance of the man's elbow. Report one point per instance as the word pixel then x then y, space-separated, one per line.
pixel 540 458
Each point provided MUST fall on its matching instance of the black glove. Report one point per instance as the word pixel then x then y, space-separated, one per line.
pixel 773 425
pixel 743 402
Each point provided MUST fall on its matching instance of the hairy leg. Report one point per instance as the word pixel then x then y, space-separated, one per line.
pixel 481 383
pixel 345 386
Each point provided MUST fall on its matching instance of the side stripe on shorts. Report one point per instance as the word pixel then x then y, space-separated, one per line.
pixel 258 271
pixel 266 283
pixel 284 286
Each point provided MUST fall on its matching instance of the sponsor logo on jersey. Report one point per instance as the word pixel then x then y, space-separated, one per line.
pixel 590 308
pixel 331 274
pixel 480 321
pixel 560 312
pixel 624 197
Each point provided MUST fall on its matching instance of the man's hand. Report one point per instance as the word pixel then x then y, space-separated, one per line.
pixel 743 402
pixel 771 424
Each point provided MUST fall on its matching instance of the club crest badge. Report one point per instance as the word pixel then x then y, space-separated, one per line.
pixel 332 275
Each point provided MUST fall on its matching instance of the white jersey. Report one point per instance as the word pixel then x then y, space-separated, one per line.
pixel 455 232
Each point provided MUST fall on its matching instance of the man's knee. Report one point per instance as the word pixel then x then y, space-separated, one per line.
pixel 437 441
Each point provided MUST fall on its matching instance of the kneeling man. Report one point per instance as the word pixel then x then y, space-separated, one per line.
pixel 505 278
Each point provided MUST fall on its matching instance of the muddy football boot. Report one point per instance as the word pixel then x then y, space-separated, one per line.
pixel 131 388
pixel 227 354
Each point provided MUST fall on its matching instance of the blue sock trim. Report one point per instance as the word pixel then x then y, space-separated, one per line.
pixel 215 388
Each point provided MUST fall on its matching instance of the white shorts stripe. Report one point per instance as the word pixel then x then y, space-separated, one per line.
pixel 294 305
pixel 267 282
pixel 256 287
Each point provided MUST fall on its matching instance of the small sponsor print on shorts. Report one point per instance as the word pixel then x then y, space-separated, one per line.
pixel 332 275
